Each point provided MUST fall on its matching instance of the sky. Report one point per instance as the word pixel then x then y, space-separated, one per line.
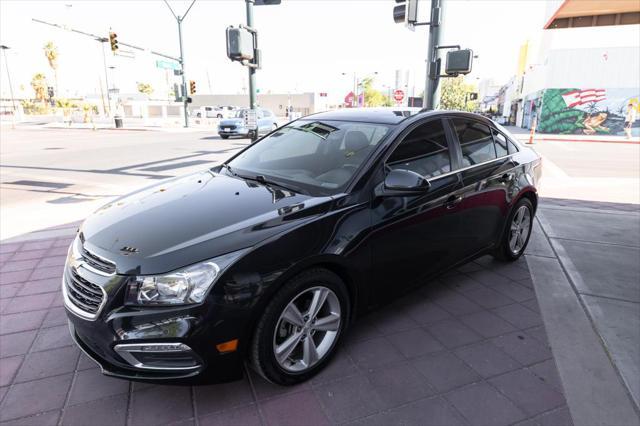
pixel 307 45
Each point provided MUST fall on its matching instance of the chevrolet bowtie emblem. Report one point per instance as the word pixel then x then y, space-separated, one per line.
pixel 128 250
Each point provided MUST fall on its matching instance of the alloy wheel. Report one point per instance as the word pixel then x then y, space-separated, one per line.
pixel 520 229
pixel 307 329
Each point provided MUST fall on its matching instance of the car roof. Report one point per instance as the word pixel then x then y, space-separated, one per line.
pixel 386 115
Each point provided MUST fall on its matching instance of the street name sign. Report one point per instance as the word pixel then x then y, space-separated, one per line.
pixel 167 65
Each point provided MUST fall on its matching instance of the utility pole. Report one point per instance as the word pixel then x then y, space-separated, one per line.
pixel 13 99
pixel 252 70
pixel 433 64
pixel 179 20
pixel 106 78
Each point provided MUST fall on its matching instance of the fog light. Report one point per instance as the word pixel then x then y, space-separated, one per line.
pixel 158 356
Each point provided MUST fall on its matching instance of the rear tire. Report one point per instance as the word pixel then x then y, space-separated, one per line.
pixel 285 353
pixel 517 232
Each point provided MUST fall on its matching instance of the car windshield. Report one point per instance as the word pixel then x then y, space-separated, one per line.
pixel 318 157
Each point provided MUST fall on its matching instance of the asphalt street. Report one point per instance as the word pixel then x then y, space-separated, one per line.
pixel 54 176
pixel 488 332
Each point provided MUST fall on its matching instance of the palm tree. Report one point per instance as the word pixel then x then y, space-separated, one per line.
pixel 144 88
pixel 51 52
pixel 39 84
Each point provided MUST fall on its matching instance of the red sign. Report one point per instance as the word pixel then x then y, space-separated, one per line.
pixel 349 98
pixel 398 95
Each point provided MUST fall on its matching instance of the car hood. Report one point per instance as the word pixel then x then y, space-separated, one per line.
pixel 231 122
pixel 193 218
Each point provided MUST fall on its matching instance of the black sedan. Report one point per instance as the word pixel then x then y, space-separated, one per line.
pixel 269 257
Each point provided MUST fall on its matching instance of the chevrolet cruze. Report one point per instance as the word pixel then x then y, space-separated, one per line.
pixel 270 256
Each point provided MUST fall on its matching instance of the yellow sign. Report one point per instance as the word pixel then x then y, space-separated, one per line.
pixel 522 57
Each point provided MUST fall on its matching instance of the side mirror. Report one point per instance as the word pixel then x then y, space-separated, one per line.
pixel 404 182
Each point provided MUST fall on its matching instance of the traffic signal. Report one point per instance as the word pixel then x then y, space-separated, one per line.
pixel 192 87
pixel 113 40
pixel 406 12
pixel 240 44
pixel 459 62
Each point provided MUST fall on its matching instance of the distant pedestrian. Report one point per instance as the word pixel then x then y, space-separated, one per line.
pixel 629 119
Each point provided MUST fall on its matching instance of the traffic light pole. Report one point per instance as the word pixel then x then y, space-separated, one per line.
pixel 433 68
pixel 184 79
pixel 13 99
pixel 106 78
pixel 252 70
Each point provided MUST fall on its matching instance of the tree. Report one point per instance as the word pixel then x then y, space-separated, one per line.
pixel 51 53
pixel 39 84
pixel 454 94
pixel 373 97
pixel 144 88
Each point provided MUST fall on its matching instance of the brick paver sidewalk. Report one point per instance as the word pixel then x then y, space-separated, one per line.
pixel 468 349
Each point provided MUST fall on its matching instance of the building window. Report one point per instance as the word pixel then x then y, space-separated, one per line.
pixel 581 21
pixel 559 23
pixel 630 18
pixel 602 20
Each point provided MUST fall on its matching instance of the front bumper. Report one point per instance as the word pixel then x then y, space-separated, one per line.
pixel 233 132
pixel 154 343
pixel 113 361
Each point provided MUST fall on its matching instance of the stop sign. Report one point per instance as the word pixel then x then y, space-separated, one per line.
pixel 398 95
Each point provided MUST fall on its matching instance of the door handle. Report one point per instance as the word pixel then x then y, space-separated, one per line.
pixel 507 177
pixel 453 201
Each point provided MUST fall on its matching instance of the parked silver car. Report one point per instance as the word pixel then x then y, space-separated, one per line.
pixel 236 126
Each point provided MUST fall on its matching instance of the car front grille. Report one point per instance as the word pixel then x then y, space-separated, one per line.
pixel 229 127
pixel 86 297
pixel 97 262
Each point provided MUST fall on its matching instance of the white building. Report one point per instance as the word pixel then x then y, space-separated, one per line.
pixel 582 72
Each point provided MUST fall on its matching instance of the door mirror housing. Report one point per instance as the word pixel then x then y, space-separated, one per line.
pixel 403 182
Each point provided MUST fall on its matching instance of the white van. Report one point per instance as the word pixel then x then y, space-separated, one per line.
pixel 214 112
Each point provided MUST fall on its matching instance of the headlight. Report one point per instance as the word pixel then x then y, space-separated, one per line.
pixel 75 250
pixel 181 287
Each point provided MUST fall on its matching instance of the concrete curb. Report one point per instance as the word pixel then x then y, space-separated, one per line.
pixel 594 390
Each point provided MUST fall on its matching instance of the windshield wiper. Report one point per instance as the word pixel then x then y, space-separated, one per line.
pixel 261 179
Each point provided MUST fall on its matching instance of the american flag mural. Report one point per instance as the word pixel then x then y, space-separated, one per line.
pixel 581 97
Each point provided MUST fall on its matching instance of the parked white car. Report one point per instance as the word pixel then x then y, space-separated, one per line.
pixel 214 112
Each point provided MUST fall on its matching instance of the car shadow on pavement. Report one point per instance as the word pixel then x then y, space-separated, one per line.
pixel 467 348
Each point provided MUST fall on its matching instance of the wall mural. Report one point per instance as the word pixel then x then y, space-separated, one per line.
pixel 587 111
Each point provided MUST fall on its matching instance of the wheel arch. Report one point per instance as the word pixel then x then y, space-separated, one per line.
pixel 531 195
pixel 330 263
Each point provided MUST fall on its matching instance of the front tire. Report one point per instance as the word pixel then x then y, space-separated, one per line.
pixel 300 328
pixel 517 233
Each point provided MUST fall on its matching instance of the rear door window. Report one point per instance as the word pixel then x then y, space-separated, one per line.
pixel 501 144
pixel 476 141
